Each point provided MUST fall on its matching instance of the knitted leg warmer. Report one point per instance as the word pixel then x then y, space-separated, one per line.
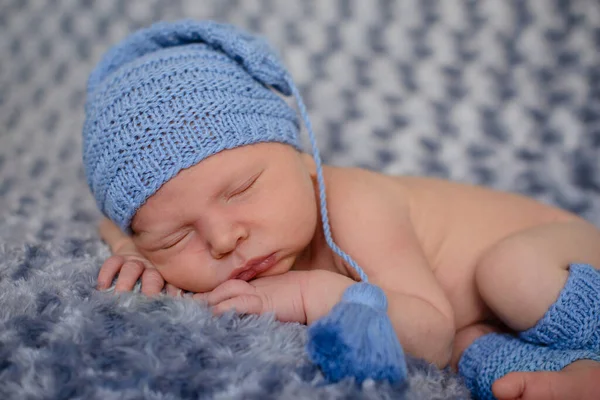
pixel 494 355
pixel 573 321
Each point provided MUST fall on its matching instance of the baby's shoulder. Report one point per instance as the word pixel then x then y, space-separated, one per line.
pixel 362 187
pixel 369 215
pixel 355 193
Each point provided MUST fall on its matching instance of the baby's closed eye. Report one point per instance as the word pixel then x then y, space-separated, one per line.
pixel 175 241
pixel 244 187
pixel 167 242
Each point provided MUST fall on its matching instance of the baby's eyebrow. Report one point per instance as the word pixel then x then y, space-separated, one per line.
pixel 147 237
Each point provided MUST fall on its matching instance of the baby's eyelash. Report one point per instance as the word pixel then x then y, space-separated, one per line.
pixel 247 185
pixel 172 243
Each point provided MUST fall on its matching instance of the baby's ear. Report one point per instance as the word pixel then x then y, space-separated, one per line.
pixel 309 163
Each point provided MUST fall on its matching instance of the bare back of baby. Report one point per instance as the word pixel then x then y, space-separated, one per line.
pixel 457 223
pixel 459 226
pixel 501 260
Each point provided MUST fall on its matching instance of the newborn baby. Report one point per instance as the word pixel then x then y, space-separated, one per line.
pixel 197 165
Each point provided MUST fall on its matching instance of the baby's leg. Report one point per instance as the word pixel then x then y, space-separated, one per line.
pixel 540 282
pixel 530 281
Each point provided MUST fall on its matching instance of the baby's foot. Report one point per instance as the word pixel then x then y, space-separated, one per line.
pixel 577 381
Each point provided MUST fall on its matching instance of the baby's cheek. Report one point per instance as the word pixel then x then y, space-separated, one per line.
pixel 190 282
pixel 189 273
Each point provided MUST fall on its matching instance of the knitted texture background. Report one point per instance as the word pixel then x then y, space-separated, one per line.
pixel 502 93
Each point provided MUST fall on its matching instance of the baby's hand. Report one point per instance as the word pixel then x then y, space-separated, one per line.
pixel 281 294
pixel 130 265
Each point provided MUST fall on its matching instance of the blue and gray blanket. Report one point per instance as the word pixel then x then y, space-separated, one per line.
pixel 494 92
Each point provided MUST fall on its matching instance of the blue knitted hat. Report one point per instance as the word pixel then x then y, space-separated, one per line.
pixel 171 95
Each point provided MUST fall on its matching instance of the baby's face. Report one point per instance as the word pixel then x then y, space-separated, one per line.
pixel 241 213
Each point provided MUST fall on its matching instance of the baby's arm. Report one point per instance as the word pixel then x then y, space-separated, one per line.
pixel 422 318
pixel 295 296
pixel 375 228
pixel 128 263
pixel 305 296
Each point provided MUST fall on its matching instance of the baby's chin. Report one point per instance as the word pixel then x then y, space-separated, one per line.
pixel 190 287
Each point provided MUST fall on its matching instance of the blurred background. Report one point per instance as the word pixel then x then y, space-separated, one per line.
pixel 495 92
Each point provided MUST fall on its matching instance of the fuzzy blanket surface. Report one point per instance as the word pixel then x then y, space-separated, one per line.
pixel 500 93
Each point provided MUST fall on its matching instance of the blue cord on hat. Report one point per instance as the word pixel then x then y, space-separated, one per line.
pixel 173 94
pixel 356 339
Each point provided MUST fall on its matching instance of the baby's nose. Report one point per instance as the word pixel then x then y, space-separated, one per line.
pixel 227 241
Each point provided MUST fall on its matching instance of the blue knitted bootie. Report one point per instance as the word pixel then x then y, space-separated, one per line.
pixel 573 321
pixel 494 355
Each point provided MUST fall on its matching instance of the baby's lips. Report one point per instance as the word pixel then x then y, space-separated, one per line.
pixel 254 267
pixel 246 275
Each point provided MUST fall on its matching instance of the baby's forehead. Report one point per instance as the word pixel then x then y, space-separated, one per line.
pixel 220 172
pixel 231 163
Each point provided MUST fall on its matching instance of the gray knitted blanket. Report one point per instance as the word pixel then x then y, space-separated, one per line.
pixel 500 93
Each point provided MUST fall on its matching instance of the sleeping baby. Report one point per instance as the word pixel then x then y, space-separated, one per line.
pixel 196 163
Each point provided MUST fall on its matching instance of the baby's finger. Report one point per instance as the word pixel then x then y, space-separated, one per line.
pixel 244 304
pixel 152 282
pixel 109 269
pixel 173 290
pixel 200 297
pixel 228 290
pixel 130 273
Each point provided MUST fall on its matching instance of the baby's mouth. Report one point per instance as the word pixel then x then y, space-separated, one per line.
pixel 254 267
